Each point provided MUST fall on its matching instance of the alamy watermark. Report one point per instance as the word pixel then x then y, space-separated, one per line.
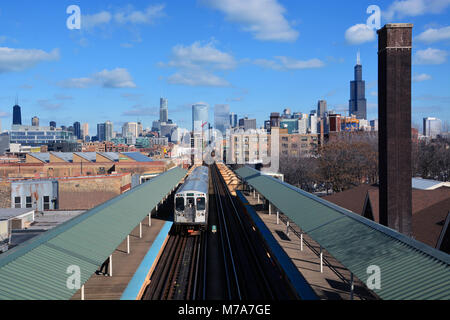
pixel 73 281
pixel 374 280
pixel 74 20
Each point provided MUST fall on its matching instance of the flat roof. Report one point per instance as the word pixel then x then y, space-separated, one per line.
pixel 11 213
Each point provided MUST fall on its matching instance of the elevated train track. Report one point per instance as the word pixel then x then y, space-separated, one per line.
pixel 231 263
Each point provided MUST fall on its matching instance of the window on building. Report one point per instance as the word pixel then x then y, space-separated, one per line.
pixel 285 145
pixel 46 203
pixel 294 145
pixel 17 202
pixel 29 202
pixel 284 139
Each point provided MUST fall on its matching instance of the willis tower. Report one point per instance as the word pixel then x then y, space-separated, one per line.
pixel 358 102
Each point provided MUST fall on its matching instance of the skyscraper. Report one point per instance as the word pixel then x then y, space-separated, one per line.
pixel 77 130
pixel 85 130
pixel 101 132
pixel 233 120
pixel 200 116
pixel 432 127
pixel 35 122
pixel 52 124
pixel 164 110
pixel 321 108
pixel 222 118
pixel 358 102
pixel 17 115
pixel 130 130
pixel 108 130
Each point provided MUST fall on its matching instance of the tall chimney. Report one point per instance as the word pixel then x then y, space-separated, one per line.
pixel 394 113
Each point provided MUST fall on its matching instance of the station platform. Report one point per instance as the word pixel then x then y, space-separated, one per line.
pixel 125 266
pixel 327 285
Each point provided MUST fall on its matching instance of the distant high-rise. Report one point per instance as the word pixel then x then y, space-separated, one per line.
pixel 200 116
pixel 17 115
pixel 109 128
pixel 274 120
pixel 130 130
pixel 35 122
pixel 321 108
pixel 101 132
pixel 432 127
pixel 77 130
pixel 358 102
pixel 247 124
pixel 233 120
pixel 52 124
pixel 222 118
pixel 164 110
pixel 85 130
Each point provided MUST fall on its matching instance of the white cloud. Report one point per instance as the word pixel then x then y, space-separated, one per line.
pixel 14 60
pixel 123 16
pixel 421 77
pixel 89 22
pixel 117 78
pixel 199 78
pixel 430 56
pixel 434 35
pixel 196 64
pixel 263 18
pixel 414 8
pixel 147 16
pixel 286 63
pixel 359 33
pixel 196 55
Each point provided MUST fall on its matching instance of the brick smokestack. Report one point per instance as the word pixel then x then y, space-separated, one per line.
pixel 394 113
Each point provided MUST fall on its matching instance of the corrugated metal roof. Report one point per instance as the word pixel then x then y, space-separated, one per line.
pixel 37 270
pixel 66 156
pixel 113 156
pixel 197 181
pixel 43 156
pixel 137 156
pixel 409 269
pixel 90 156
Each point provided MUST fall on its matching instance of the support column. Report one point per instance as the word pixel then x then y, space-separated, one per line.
pixel 278 217
pixel 352 286
pixel 110 266
pixel 287 228
pixel 270 209
pixel 128 244
pixel 150 219
pixel 82 292
pixel 301 242
pixel 140 230
pixel 321 260
pixel 258 198
pixel 254 194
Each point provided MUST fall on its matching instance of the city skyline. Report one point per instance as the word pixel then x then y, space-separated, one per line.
pixel 78 72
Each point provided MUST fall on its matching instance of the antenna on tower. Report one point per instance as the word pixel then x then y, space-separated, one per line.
pixel 358 58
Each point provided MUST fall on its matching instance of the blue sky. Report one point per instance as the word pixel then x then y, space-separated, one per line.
pixel 258 56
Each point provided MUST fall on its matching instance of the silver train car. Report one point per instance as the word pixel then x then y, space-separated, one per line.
pixel 192 201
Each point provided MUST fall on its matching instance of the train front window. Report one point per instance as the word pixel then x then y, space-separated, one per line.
pixel 190 202
pixel 201 204
pixel 179 204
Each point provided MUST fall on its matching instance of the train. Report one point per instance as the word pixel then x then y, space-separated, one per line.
pixel 192 202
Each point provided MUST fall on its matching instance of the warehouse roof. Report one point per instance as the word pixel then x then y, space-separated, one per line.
pixel 409 269
pixel 424 184
pixel 11 213
pixel 40 268
pixel 137 156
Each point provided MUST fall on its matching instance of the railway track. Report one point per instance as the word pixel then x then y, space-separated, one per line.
pixel 230 264
pixel 252 274
pixel 176 275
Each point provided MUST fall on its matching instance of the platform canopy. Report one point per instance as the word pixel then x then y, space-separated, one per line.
pixel 41 268
pixel 409 270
